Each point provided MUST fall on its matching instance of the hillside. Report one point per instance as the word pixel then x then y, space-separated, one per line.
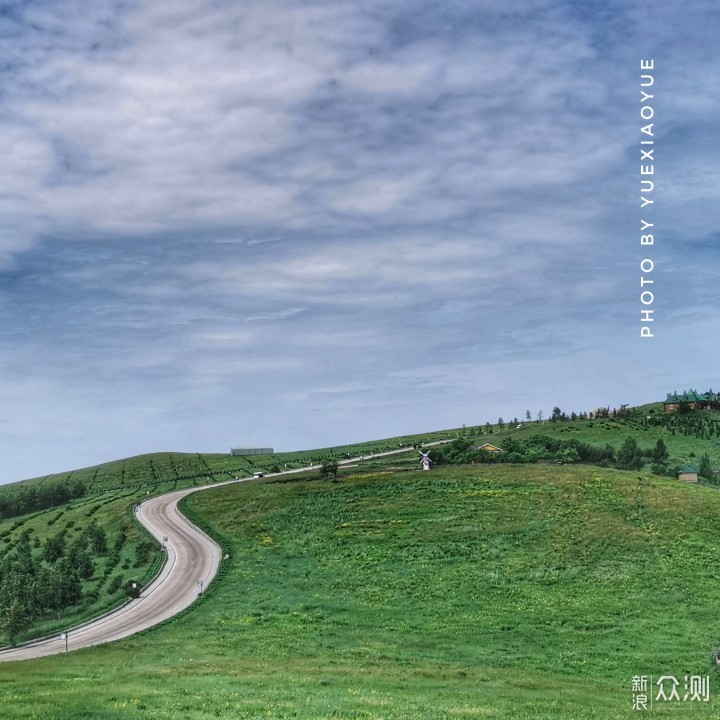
pixel 174 469
pixel 489 591
pixel 687 437
pixel 110 490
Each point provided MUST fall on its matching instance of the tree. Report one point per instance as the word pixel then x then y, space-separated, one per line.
pixel 15 619
pixel 329 470
pixel 528 416
pixel 54 548
pixel 569 455
pixel 66 586
pixel 556 414
pixel 501 423
pixel 629 456
pixel 540 416
pixel 97 538
pixel 705 470
pixel 23 561
pixel 660 453
pixel 80 560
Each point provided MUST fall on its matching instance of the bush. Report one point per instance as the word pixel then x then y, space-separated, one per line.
pixel 115 584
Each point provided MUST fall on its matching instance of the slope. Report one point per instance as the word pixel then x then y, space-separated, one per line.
pixel 488 591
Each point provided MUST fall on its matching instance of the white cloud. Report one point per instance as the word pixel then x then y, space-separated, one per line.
pixel 390 77
pixel 374 195
pixel 330 200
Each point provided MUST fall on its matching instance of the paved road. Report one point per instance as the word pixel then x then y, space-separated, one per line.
pixel 192 557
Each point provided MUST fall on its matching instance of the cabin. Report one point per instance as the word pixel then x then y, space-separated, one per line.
pixel 688 474
pixel 693 400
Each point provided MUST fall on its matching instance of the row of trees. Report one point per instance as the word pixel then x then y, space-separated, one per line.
pixel 527 450
pixel 545 448
pixel 32 498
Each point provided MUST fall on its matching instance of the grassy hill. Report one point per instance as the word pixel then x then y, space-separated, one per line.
pixel 175 469
pixel 501 591
pixel 686 436
pixel 488 591
pixel 112 488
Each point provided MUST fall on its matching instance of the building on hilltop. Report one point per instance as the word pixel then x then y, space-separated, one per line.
pixel 692 400
pixel 242 451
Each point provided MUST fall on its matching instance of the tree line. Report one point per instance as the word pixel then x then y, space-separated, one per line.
pixel 539 448
pixel 32 498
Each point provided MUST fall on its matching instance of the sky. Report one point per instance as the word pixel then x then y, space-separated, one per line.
pixel 300 224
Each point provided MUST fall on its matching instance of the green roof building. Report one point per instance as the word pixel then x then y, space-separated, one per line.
pixel 693 400
pixel 688 474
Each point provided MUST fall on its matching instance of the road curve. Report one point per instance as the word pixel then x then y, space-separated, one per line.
pixel 192 557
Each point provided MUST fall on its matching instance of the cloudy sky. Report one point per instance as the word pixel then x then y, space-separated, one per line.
pixel 311 222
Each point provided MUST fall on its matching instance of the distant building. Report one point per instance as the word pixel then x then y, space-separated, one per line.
pixel 251 451
pixel 688 474
pixel 489 448
pixel 693 400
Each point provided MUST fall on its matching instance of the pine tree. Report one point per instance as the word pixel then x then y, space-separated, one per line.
pixel 660 454
pixel 97 537
pixel 629 456
pixel 705 470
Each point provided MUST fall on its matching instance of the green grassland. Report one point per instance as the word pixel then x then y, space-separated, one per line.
pixel 112 488
pixel 501 591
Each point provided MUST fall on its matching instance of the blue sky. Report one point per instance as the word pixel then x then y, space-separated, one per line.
pixel 305 223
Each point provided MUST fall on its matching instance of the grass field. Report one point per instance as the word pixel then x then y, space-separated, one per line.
pixel 486 591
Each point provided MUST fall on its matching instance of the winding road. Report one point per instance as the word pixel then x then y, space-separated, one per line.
pixel 192 558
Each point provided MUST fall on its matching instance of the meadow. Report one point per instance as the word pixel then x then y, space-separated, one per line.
pixel 498 591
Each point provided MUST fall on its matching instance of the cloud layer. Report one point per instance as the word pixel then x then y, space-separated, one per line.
pixel 300 223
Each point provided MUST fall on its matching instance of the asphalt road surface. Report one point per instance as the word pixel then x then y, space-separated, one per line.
pixel 192 558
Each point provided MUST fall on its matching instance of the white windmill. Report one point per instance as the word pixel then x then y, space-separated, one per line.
pixel 425 460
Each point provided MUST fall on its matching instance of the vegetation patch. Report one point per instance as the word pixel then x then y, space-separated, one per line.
pixel 503 591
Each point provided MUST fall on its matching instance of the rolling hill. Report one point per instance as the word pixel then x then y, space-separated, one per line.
pixel 503 590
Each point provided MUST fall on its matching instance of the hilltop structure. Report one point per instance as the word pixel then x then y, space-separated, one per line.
pixel 243 451
pixel 692 400
pixel 487 447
